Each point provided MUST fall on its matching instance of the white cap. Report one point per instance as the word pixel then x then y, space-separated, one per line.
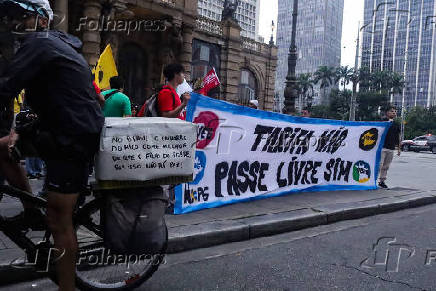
pixel 254 102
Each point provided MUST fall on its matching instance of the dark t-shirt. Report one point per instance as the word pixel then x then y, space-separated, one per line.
pixel 393 136
pixel 58 84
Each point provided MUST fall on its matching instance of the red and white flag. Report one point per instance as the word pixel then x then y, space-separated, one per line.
pixel 210 81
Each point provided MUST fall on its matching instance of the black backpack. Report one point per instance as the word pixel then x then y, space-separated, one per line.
pixel 151 106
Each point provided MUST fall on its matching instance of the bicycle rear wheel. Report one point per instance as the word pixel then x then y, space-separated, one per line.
pixel 98 269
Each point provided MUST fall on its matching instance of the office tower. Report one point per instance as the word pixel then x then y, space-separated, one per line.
pixel 399 35
pixel 247 14
pixel 319 34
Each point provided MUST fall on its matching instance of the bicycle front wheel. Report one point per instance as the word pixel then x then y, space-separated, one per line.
pixel 99 269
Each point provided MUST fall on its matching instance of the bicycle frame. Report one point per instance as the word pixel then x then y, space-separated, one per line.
pixel 19 238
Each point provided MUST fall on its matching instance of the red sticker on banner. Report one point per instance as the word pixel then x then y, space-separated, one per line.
pixel 208 123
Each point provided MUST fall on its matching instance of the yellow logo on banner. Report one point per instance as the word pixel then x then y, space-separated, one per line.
pixel 105 68
pixel 368 139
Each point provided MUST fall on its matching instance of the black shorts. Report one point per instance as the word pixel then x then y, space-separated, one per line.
pixel 68 162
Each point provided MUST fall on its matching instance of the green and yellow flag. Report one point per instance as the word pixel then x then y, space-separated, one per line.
pixel 105 68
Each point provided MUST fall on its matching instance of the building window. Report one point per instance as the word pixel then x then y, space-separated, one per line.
pixel 205 56
pixel 247 87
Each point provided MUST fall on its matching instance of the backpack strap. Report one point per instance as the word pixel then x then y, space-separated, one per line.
pixel 106 97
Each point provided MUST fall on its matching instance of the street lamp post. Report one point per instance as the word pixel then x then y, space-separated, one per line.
pixel 291 92
pixel 406 60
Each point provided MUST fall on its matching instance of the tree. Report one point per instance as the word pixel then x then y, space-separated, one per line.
pixel 338 108
pixel 340 104
pixel 324 75
pixel 305 86
pixel 381 81
pixel 397 83
pixel 369 103
pixel 321 111
pixel 420 121
pixel 364 78
pixel 343 75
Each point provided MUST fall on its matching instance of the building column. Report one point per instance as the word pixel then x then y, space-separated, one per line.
pixel 60 16
pixel 186 55
pixel 268 101
pixel 230 61
pixel 91 34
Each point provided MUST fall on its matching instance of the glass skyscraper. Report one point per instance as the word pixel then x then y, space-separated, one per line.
pixel 319 35
pixel 399 35
pixel 247 14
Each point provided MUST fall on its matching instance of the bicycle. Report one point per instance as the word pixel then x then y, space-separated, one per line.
pixel 91 274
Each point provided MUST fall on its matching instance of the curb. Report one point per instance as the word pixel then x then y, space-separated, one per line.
pixel 185 238
pixel 189 237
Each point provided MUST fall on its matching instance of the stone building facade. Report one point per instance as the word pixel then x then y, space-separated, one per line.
pixel 146 35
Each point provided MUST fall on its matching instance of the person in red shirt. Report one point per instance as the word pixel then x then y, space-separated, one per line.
pixel 169 103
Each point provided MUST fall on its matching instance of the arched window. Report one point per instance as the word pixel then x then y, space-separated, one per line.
pixel 247 87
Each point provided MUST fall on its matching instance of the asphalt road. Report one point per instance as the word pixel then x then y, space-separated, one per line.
pixel 395 251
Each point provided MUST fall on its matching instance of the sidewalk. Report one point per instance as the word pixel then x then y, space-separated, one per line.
pixel 259 218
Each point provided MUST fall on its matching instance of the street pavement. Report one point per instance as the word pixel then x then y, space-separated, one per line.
pixel 411 176
pixel 348 255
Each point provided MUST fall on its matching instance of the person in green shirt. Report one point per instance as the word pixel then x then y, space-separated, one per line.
pixel 116 103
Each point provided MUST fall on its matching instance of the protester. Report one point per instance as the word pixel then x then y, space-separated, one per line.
pixel 391 141
pixel 169 103
pixel 305 112
pixel 116 103
pixel 253 104
pixel 59 89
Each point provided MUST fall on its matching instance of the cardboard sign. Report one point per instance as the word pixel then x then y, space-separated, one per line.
pixel 143 149
pixel 245 154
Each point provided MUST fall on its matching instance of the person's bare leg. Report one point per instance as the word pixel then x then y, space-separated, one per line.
pixel 60 213
pixel 13 172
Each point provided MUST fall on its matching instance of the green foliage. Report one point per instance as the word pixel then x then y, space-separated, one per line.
pixel 420 121
pixel 338 107
pixel 374 91
pixel 305 88
pixel 369 104
pixel 321 111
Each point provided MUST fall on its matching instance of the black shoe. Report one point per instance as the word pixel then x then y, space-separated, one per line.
pixel 31 177
pixel 382 185
pixel 30 218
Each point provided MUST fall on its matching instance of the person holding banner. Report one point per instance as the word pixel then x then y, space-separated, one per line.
pixel 169 103
pixel 391 141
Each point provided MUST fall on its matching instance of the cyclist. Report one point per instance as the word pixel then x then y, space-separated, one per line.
pixel 59 88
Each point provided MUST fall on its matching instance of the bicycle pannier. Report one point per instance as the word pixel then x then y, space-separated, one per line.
pixel 134 221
